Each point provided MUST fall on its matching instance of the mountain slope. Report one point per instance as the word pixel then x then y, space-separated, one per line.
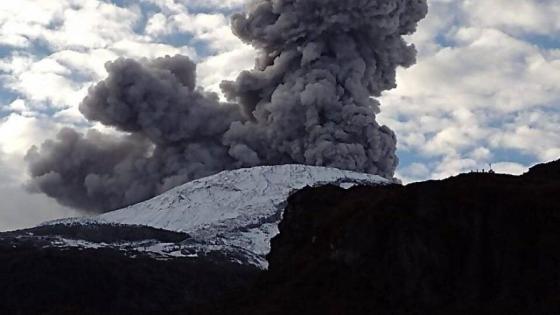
pixel 472 244
pixel 234 211
pixel 103 281
pixel 192 245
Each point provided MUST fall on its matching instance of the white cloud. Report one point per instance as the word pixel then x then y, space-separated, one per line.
pixel 223 4
pixel 481 154
pixel 179 5
pixel 158 25
pixel 519 16
pixel 480 86
pixel 134 49
pixel 84 35
pixel 225 66
pixel 413 172
pixel 211 29
pixel 453 165
pixel 509 168
pixel 64 24
pixel 532 132
pixel 18 208
pixel 18 133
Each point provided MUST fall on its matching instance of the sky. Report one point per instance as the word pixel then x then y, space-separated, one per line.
pixel 485 89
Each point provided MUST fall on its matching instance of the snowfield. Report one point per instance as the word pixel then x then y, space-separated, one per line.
pixel 233 211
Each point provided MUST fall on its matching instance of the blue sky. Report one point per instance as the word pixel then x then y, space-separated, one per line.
pixel 485 89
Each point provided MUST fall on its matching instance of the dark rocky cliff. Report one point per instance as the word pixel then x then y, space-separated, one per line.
pixel 36 278
pixel 472 244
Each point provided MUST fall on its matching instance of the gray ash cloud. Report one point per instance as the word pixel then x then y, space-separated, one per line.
pixel 307 101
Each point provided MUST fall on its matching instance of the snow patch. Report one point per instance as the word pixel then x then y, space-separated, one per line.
pixel 231 211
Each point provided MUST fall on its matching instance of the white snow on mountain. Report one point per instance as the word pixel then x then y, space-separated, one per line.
pixel 234 210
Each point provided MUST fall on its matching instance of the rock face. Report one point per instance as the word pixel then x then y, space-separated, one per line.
pixel 472 244
pixel 54 281
pixel 194 245
pixel 234 212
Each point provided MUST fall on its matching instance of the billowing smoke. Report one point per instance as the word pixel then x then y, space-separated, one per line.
pixel 307 101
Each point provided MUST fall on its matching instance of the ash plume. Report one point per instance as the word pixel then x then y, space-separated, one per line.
pixel 307 101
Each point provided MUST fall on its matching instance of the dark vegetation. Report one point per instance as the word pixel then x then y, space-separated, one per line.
pixel 473 244
pixel 57 281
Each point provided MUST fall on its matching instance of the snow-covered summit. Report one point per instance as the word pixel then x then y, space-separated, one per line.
pixel 238 209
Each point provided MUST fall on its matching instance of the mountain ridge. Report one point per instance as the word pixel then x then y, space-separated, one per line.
pixel 235 211
pixel 477 243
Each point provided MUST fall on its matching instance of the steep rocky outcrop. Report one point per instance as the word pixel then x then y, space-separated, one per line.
pixel 471 244
pixel 192 246
pixel 233 211
pixel 476 243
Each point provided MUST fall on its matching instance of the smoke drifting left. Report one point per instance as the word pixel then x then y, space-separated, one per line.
pixel 307 101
